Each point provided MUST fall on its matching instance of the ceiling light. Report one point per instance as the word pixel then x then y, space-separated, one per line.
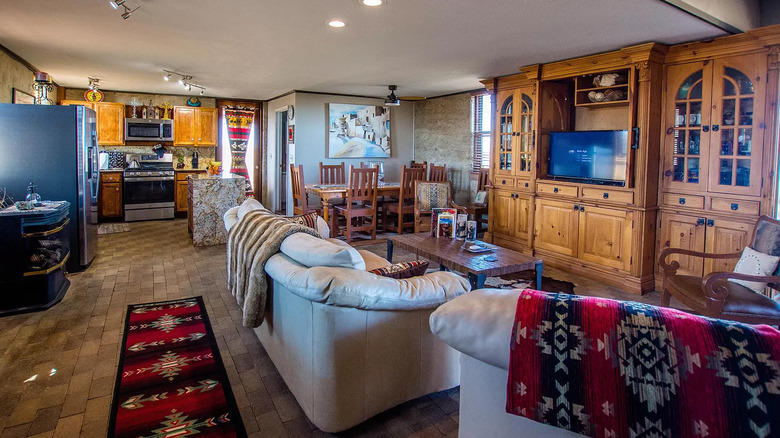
pixel 94 83
pixel 167 77
pixel 392 99
pixel 201 91
pixel 372 2
pixel 189 87
pixel 116 4
pixel 181 81
pixel 337 23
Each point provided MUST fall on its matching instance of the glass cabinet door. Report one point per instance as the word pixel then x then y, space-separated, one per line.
pixel 736 139
pixel 505 131
pixel 525 135
pixel 687 126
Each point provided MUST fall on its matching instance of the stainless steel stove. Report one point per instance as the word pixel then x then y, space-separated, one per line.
pixel 149 187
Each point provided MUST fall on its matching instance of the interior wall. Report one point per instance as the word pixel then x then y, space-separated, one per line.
pixel 442 135
pixel 770 12
pixel 741 14
pixel 311 135
pixel 14 74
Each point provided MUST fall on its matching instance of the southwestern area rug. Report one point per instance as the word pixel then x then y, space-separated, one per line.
pixel 171 381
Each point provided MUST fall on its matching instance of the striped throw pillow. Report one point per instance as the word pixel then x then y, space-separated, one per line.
pixel 403 269
pixel 309 220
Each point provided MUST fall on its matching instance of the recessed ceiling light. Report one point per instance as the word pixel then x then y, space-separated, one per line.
pixel 372 2
pixel 337 23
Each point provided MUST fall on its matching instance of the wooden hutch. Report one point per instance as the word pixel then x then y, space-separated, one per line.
pixel 700 185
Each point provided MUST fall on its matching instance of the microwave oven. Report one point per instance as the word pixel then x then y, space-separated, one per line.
pixel 149 129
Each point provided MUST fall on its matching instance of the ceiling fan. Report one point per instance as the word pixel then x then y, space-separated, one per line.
pixel 393 100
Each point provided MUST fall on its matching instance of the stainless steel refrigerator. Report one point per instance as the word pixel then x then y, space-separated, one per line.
pixel 54 147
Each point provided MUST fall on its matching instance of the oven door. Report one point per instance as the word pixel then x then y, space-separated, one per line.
pixel 139 191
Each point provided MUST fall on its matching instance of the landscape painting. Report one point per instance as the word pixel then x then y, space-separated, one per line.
pixel 358 131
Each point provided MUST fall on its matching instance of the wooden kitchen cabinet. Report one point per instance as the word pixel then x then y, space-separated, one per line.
pixel 194 126
pixel 556 227
pixel 110 120
pixel 180 196
pixel 703 234
pixel 110 196
pixel 511 216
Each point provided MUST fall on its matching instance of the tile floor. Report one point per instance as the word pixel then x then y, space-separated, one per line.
pixel 57 367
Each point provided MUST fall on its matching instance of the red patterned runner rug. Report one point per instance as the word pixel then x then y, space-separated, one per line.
pixel 171 381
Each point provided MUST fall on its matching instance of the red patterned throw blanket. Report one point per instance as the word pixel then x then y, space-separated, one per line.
pixel 606 368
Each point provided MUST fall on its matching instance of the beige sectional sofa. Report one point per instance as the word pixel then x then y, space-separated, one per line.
pixel 348 343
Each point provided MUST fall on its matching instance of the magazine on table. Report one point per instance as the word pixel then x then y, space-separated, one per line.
pixel 435 212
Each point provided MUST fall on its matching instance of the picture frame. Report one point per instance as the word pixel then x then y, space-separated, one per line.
pixel 20 97
pixel 358 131
pixel 481 198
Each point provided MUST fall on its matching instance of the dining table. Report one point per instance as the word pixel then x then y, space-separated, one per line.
pixel 326 192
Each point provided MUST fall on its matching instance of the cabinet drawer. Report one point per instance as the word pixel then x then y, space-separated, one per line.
pixel 735 205
pixel 110 176
pixel 557 189
pixel 523 184
pixel 681 200
pixel 601 194
pixel 504 182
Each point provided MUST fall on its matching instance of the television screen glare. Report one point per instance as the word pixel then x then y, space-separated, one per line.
pixel 594 155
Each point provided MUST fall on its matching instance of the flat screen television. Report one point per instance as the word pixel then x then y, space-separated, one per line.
pixel 597 157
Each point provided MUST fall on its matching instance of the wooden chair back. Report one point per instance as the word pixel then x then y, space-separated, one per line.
pixel 437 173
pixel 416 164
pixel 300 205
pixel 429 195
pixel 483 178
pixel 409 175
pixel 332 173
pixel 362 185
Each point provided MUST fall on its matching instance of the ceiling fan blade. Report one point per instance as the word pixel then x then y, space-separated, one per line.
pixel 412 98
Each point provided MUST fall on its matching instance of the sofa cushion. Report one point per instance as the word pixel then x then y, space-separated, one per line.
pixel 311 251
pixel 479 324
pixel 230 217
pixel 248 205
pixel 364 290
pixel 402 269
pixel 372 260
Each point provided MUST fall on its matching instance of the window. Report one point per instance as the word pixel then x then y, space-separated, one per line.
pixel 481 107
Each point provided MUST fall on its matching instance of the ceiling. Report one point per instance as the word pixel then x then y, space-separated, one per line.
pixel 258 49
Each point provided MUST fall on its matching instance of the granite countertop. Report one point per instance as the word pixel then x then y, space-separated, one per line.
pixel 211 178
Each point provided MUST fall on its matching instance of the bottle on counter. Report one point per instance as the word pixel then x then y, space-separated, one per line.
pixel 33 197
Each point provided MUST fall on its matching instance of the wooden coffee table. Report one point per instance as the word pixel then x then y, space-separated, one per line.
pixel 449 254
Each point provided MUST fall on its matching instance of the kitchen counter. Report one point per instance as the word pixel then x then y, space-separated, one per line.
pixel 118 169
pixel 209 199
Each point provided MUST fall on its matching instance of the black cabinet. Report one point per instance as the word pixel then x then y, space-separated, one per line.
pixel 34 246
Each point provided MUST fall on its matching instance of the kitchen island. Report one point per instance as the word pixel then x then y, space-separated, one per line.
pixel 209 199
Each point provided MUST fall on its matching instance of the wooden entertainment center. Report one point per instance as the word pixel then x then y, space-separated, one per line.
pixel 697 169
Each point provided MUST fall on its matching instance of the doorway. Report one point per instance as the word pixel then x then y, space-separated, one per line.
pixel 282 182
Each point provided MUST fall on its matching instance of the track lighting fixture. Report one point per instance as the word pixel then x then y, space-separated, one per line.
pixel 128 12
pixel 116 4
pixel 184 80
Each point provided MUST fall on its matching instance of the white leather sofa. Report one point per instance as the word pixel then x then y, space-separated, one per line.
pixel 348 343
pixel 479 325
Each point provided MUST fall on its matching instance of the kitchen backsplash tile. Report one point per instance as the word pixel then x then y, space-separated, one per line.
pixel 206 154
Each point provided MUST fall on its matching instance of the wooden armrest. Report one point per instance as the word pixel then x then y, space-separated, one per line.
pixel 458 207
pixel 719 292
pixel 671 268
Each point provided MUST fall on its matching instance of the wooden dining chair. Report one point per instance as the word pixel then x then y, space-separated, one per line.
pixel 300 201
pixel 427 196
pixel 332 173
pixel 415 164
pixel 437 173
pixel 404 206
pixel 360 205
pixel 480 211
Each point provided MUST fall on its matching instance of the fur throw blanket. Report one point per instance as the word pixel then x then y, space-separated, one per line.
pixel 251 242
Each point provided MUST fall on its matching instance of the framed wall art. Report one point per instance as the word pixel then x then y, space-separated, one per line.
pixel 358 131
pixel 19 96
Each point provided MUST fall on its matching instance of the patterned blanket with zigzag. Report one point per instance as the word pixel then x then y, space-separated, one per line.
pixel 606 368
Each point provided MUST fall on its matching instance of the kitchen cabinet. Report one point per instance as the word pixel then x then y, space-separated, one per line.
pixel 703 234
pixel 110 196
pixel 514 144
pixel 110 120
pixel 194 126
pixel 598 235
pixel 180 196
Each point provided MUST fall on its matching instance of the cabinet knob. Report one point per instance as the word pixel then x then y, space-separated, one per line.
pixel 710 222
pixel 192 139
pixel 682 201
pixel 503 181
pixel 668 173
pixel 606 195
pixel 735 206
pixel 715 128
pixel 700 221
pixel 582 208
pixel 555 189
pixel 705 128
pixel 576 207
pixel 526 184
